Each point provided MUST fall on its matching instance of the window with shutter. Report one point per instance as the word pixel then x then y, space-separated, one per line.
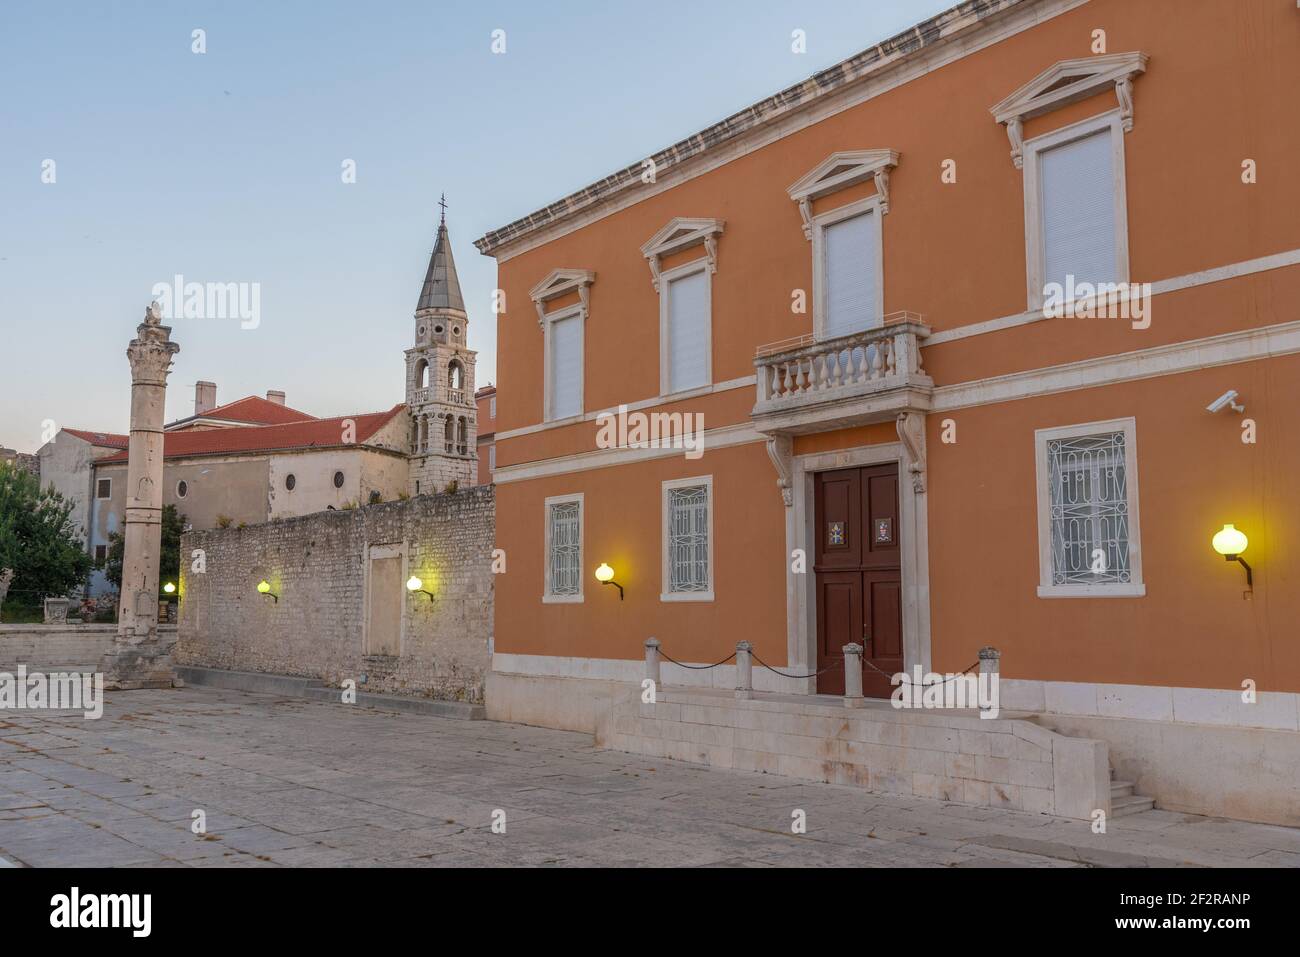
pixel 1078 203
pixel 566 367
pixel 1076 221
pixel 564 549
pixel 850 260
pixel 687 332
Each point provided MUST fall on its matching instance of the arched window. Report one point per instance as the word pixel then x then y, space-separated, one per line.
pixel 462 436
pixel 455 375
pixel 421 374
pixel 449 433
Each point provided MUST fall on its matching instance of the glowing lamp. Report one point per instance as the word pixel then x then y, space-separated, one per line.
pixel 605 575
pixel 1230 543
pixel 264 588
pixel 414 584
pixel 170 588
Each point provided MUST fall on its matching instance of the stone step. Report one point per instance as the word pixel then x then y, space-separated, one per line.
pixel 1134 804
pixel 1120 789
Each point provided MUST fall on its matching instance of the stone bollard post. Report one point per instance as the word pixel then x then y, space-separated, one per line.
pixel 652 662
pixel 990 662
pixel 853 697
pixel 744 671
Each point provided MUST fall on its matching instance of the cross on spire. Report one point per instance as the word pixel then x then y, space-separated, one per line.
pixel 443 203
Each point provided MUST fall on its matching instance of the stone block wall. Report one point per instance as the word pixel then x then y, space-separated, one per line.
pixel 946 756
pixel 318 569
pixel 54 647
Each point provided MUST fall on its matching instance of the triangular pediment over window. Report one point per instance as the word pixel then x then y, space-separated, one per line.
pixel 839 171
pixel 561 282
pixel 1068 81
pixel 683 233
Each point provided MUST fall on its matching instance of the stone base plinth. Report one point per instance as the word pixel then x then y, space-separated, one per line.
pixel 144 665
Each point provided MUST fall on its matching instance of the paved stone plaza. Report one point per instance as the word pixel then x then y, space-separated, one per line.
pixel 286 782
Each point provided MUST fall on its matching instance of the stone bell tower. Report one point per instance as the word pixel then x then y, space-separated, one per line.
pixel 440 380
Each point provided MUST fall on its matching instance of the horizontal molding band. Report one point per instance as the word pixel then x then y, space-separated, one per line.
pixel 1204 277
pixel 1246 345
pixel 726 437
pixel 744 382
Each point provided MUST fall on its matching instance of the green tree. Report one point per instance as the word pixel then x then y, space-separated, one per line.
pixel 38 538
pixel 169 560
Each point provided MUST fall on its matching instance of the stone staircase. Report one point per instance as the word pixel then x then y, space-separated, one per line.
pixel 1123 800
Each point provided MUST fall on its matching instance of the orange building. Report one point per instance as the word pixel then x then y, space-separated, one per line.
pixel 485 399
pixel 950 314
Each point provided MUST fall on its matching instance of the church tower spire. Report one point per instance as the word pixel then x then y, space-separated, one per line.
pixel 440 379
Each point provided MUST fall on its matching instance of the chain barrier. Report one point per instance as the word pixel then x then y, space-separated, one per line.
pixel 836 663
pixel 695 667
pixel 934 684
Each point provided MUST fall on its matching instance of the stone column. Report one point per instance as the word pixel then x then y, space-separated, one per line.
pixel 744 671
pixel 138 658
pixel 652 662
pixel 853 676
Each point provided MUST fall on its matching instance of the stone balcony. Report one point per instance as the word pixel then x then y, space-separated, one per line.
pixel 809 385
pixel 453 396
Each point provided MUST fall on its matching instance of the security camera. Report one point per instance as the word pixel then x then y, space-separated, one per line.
pixel 1225 401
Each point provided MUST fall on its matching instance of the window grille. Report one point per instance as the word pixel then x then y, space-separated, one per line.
pixel 566 548
pixel 688 539
pixel 1089 509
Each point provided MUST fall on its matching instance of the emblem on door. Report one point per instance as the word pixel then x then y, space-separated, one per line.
pixel 884 534
pixel 835 533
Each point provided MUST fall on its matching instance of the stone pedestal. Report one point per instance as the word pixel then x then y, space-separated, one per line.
pixel 138 659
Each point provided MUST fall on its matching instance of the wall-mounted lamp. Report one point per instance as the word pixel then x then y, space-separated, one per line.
pixel 605 575
pixel 170 588
pixel 264 588
pixel 1230 543
pixel 414 584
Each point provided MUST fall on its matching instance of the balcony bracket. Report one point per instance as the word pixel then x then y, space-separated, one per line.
pixel 911 432
pixel 780 449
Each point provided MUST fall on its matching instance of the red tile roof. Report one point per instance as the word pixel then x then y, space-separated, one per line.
pixel 106 440
pixel 255 409
pixel 311 433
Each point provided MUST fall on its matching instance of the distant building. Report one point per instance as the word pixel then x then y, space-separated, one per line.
pixel 24 460
pixel 256 459
pixel 486 401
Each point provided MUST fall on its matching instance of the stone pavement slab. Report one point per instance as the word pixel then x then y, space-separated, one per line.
pixel 288 782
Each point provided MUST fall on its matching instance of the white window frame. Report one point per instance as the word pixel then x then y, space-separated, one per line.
pixel 1135 587
pixel 492 407
pixel 666 280
pixel 579 312
pixel 548 597
pixel 872 205
pixel 103 498
pixel 1033 149
pixel 664 527
pixel 492 457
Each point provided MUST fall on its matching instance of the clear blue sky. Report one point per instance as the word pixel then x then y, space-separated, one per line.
pixel 226 167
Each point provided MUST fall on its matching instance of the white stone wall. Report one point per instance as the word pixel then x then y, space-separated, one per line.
pixel 316 565
pixel 998 762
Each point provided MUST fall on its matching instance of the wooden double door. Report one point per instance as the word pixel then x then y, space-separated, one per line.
pixel 859 575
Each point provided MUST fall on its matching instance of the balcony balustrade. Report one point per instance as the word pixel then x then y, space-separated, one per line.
pixel 809 385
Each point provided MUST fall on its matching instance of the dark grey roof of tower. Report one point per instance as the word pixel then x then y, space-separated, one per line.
pixel 441 287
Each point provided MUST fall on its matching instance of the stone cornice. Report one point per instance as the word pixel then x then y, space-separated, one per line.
pixel 959 21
